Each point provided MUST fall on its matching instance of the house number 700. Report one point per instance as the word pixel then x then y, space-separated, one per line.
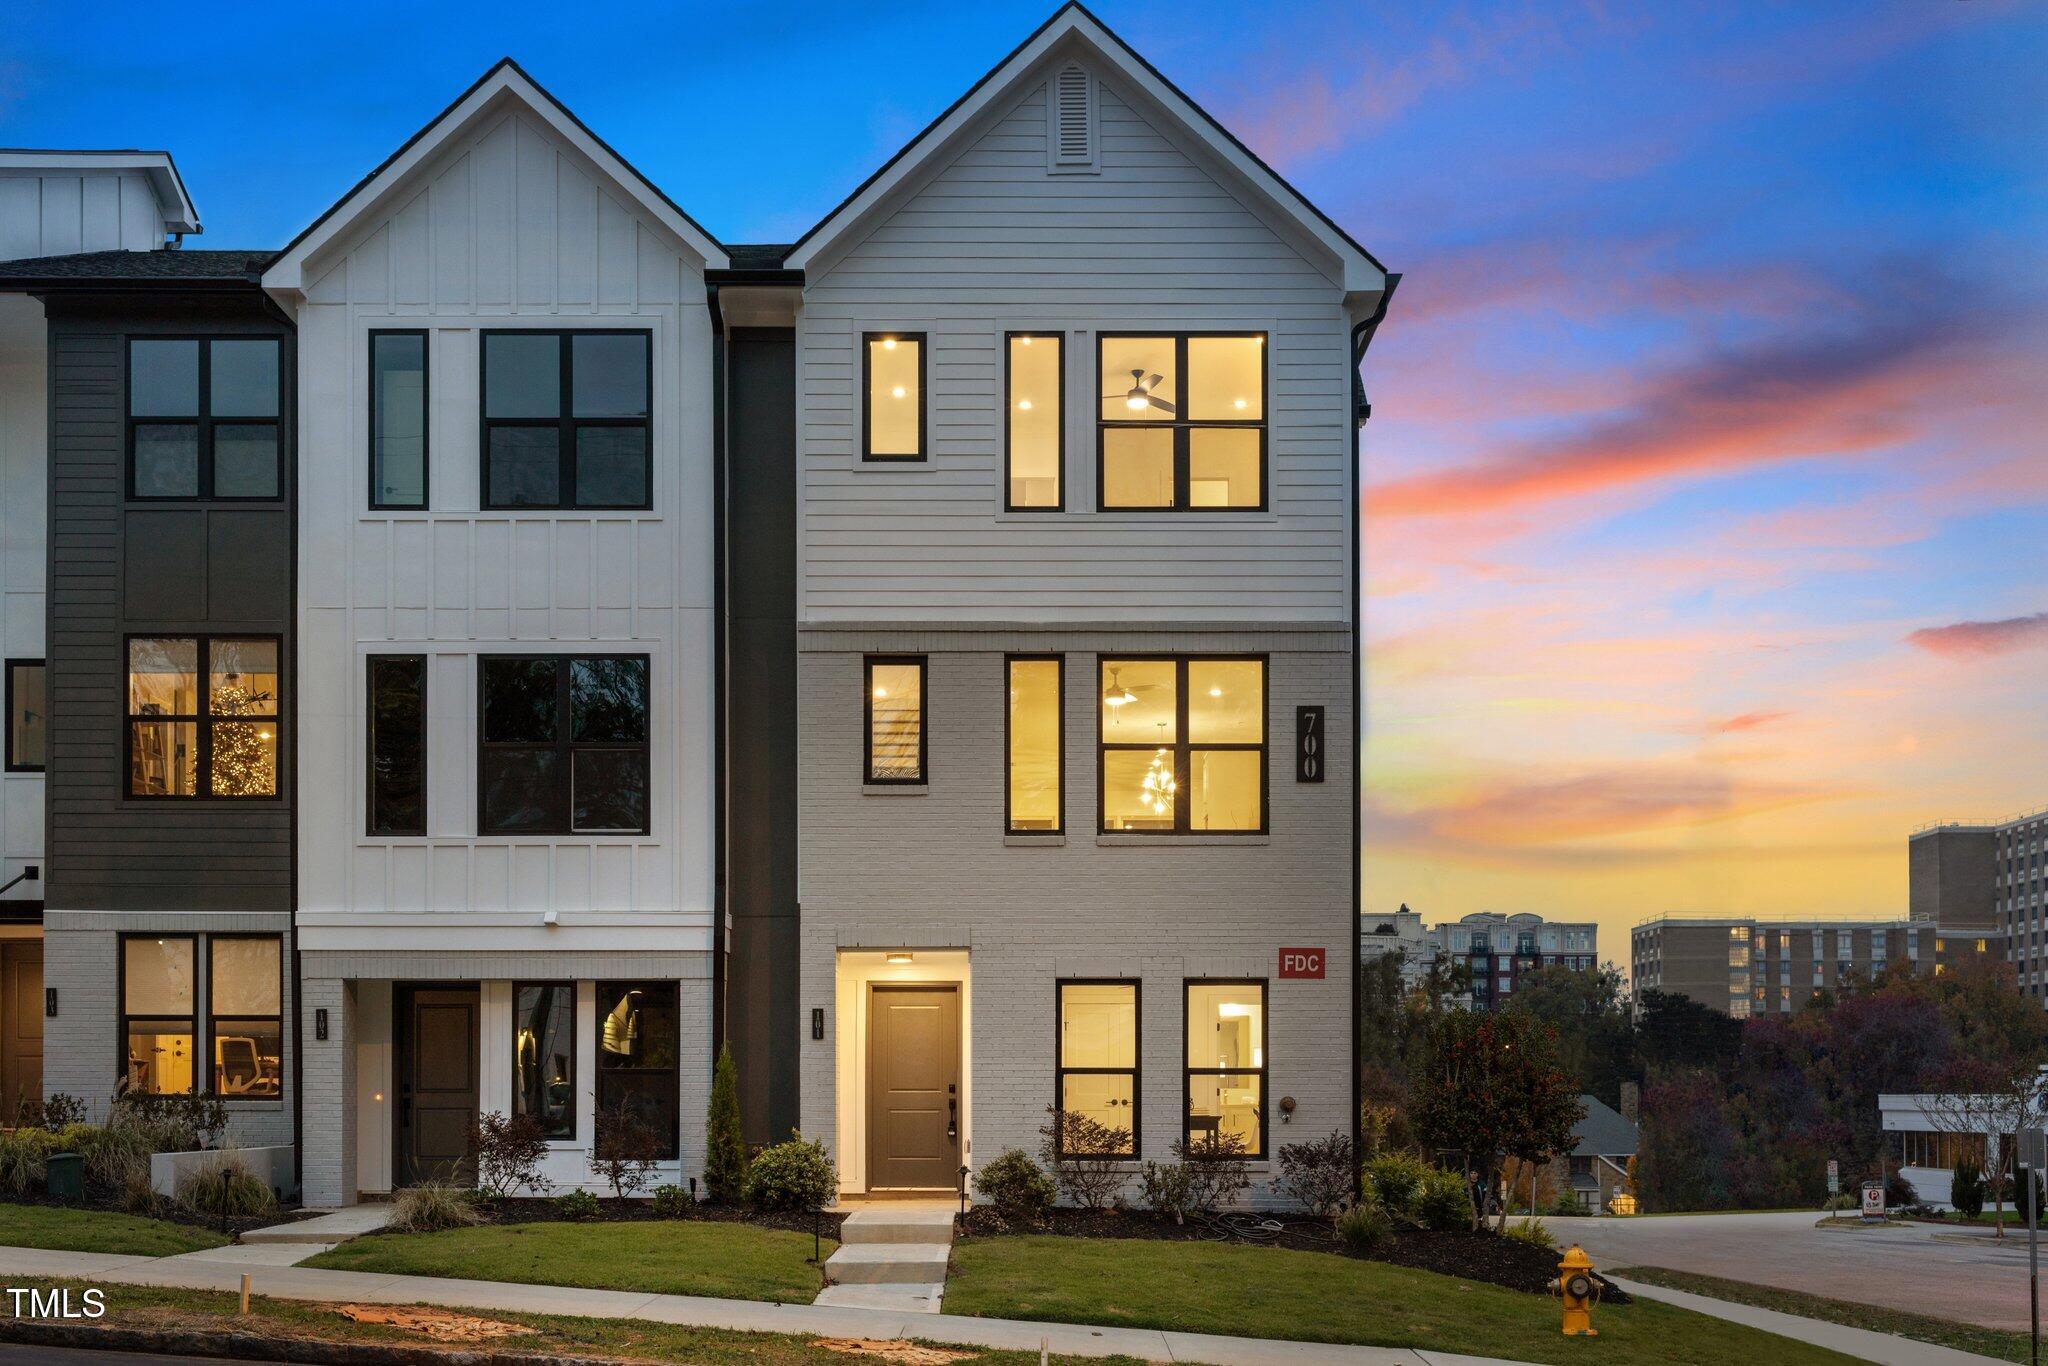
pixel 1308 744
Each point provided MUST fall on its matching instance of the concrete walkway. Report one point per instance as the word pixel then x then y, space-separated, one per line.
pixel 214 1269
pixel 335 1226
pixel 1856 1342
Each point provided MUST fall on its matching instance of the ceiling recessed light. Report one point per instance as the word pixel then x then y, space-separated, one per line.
pixel 897 392
pixel 888 343
pixel 1024 404
pixel 899 959
pixel 1240 403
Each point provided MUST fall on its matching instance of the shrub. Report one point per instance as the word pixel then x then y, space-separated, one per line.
pixel 1366 1228
pixel 432 1206
pixel 24 1155
pixel 116 1161
pixel 672 1202
pixel 58 1110
pixel 508 1154
pixel 1082 1154
pixel 1016 1186
pixel 796 1175
pixel 224 1188
pixel 625 1152
pixel 1395 1181
pixel 1168 1189
pixel 725 1156
pixel 1216 1171
pixel 1966 1187
pixel 1532 1232
pixel 1443 1203
pixel 1565 1205
pixel 577 1205
pixel 1319 1175
pixel 1839 1201
pixel 172 1124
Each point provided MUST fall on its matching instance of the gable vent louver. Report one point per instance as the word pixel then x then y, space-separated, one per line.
pixel 1073 120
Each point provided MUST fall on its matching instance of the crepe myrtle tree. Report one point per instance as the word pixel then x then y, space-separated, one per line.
pixel 1490 1089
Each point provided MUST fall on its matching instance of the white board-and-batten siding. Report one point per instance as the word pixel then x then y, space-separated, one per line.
pixel 506 228
pixel 60 212
pixel 992 242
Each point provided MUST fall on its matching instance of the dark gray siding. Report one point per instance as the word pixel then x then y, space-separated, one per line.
pixel 761 1009
pixel 119 568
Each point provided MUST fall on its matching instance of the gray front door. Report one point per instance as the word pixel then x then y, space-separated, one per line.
pixel 913 1087
pixel 437 1085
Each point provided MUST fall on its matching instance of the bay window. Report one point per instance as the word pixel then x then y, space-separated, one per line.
pixel 1181 421
pixel 1183 745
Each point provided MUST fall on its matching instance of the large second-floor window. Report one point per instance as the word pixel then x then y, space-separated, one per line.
pixel 203 418
pixel 1181 421
pixel 1183 748
pixel 564 745
pixel 567 420
pixel 204 716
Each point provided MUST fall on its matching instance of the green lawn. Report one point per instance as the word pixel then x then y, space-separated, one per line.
pixel 1964 1337
pixel 663 1257
pixel 155 1309
pixel 1321 1297
pixel 94 1230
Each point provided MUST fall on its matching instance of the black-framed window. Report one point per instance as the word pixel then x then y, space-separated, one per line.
pixel 205 716
pixel 205 418
pixel 28 715
pixel 159 1014
pixel 396 784
pixel 564 744
pixel 639 1051
pixel 1034 731
pixel 894 718
pixel 1098 1056
pixel 1181 421
pixel 1034 421
pixel 544 1055
pixel 1182 744
pixel 1226 1063
pixel 567 419
pixel 892 396
pixel 245 1015
pixel 398 419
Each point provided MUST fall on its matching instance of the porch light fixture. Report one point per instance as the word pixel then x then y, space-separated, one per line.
pixel 898 959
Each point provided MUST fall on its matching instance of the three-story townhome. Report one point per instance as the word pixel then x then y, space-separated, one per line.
pixel 506 881
pixel 153 386
pixel 1074 668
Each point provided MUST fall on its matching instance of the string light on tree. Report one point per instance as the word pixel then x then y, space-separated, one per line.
pixel 244 753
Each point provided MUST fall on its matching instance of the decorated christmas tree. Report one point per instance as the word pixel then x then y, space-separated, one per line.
pixel 244 753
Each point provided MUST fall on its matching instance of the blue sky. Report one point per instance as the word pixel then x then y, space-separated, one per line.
pixel 1706 491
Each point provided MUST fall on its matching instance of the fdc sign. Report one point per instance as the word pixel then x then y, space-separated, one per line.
pixel 1301 963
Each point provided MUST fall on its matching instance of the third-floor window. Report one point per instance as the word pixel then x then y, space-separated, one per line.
pixel 203 418
pixel 567 420
pixel 1181 421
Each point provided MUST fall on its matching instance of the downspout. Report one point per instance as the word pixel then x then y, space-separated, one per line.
pixel 1361 338
pixel 719 908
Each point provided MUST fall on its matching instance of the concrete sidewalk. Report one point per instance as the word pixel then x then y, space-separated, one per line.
pixel 222 1269
pixel 1856 1342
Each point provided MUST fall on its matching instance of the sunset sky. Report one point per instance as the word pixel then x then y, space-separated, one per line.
pixel 1706 483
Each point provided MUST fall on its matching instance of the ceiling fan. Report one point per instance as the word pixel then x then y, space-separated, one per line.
pixel 1140 394
pixel 1117 695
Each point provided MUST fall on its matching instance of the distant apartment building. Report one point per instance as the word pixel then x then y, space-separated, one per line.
pixel 1761 967
pixel 1497 949
pixel 1994 875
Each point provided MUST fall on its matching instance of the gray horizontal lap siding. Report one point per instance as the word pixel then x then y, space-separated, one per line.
pixel 118 568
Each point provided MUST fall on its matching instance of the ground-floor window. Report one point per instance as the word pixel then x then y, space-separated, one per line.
pixel 638 1052
pixel 1226 1065
pixel 159 1014
pixel 544 1056
pixel 245 1014
pixel 1098 1063
pixel 1941 1151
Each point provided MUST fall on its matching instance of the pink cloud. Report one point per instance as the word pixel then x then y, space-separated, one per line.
pixel 1749 720
pixel 1976 639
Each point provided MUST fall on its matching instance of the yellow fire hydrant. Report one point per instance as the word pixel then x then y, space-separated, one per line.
pixel 1577 1289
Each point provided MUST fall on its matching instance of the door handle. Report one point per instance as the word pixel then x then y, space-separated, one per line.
pixel 952 1121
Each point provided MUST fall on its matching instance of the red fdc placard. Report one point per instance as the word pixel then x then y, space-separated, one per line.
pixel 1301 963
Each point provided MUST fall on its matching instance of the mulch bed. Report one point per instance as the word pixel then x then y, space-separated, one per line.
pixel 1484 1257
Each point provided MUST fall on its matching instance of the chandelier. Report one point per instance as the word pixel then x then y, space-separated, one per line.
pixel 1159 787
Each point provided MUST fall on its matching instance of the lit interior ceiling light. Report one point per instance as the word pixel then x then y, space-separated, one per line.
pixel 897 392
pixel 881 692
pixel 888 343
pixel 899 959
pixel 1025 404
pixel 1240 403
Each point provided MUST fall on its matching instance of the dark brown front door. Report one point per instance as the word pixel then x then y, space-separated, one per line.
pixel 913 1087
pixel 436 1082
pixel 21 1024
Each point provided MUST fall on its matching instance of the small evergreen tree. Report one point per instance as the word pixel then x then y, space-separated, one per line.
pixel 725 1158
pixel 1966 1187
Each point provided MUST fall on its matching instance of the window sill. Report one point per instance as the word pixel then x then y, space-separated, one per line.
pixel 1035 841
pixel 894 789
pixel 1176 841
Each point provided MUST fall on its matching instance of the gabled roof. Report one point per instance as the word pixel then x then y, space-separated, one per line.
pixel 1603 1132
pixel 179 213
pixel 506 80
pixel 1070 26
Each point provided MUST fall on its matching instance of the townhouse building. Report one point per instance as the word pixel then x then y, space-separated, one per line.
pixel 1496 950
pixel 507 643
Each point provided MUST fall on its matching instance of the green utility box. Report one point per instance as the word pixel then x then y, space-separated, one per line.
pixel 66 1176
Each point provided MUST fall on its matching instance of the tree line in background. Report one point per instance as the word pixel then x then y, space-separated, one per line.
pixel 1734 1114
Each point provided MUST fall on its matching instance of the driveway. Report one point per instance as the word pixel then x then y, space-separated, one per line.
pixel 1920 1267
